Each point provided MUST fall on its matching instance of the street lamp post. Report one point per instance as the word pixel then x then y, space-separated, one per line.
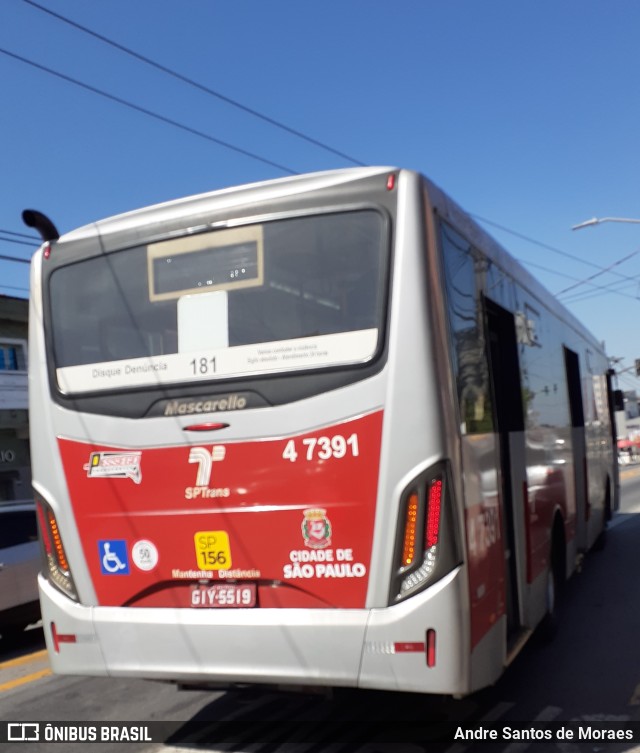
pixel 600 220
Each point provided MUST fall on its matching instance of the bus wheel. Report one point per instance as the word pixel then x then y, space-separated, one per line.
pixel 600 543
pixel 554 587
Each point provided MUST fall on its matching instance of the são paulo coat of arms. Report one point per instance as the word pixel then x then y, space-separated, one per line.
pixel 316 528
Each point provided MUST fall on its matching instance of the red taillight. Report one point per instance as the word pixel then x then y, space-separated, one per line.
pixel 432 529
pixel 46 252
pixel 391 182
pixel 44 530
pixel 212 426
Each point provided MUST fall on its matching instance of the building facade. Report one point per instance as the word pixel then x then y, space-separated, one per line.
pixel 15 467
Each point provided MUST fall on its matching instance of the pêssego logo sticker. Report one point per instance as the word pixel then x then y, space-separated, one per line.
pixel 114 465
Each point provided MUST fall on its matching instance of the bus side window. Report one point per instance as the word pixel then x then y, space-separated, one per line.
pixel 464 272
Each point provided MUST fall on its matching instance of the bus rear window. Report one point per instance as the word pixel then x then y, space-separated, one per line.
pixel 300 293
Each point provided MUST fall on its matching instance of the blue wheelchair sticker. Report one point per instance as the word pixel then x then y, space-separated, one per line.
pixel 114 559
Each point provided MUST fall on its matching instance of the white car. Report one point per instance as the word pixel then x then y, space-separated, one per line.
pixel 19 565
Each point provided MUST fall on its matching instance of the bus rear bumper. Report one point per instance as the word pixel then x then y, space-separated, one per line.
pixel 376 648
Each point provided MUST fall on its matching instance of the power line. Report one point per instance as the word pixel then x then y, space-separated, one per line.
pixel 604 289
pixel 586 294
pixel 196 84
pixel 149 113
pixel 535 242
pixel 527 263
pixel 612 287
pixel 13 287
pixel 31 244
pixel 628 378
pixel 19 235
pixel 603 271
pixel 16 259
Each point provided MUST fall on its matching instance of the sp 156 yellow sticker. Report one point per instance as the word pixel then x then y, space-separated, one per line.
pixel 212 550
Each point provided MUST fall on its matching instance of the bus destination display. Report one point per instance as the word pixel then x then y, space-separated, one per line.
pixel 203 263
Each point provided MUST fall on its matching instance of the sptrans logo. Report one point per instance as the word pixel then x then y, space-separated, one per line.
pixel 204 459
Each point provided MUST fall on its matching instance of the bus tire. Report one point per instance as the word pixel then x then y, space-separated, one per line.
pixel 601 541
pixel 554 589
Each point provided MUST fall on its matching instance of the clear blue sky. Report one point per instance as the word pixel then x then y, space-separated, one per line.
pixel 527 113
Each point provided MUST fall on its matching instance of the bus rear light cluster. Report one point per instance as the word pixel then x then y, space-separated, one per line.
pixel 422 555
pixel 427 549
pixel 56 565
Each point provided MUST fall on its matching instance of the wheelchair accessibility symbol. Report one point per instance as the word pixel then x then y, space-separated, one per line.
pixel 114 559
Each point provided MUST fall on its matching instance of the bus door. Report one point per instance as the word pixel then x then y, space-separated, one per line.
pixel 509 421
pixel 615 471
pixel 578 442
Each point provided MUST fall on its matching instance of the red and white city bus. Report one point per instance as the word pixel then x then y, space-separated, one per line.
pixel 313 431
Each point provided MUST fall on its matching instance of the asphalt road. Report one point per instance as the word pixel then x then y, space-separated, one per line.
pixel 589 673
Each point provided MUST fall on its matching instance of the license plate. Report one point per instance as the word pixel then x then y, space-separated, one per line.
pixel 233 595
